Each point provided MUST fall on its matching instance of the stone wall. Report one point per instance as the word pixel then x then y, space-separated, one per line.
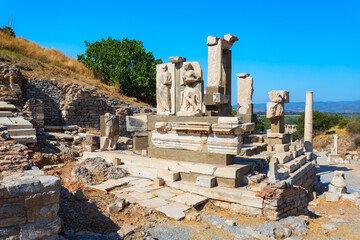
pixel 29 203
pixel 283 202
pixel 13 156
pixel 72 104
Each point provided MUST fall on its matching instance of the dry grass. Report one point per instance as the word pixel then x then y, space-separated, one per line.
pixel 34 51
pixel 51 63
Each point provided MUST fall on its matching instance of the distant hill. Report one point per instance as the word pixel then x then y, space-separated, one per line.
pixel 343 107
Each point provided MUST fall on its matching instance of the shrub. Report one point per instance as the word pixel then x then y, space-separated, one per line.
pixel 353 127
pixel 343 123
pixel 125 63
pixel 8 31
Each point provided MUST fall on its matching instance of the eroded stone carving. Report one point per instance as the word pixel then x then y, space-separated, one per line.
pixel 164 96
pixel 109 132
pixel 275 108
pixel 191 97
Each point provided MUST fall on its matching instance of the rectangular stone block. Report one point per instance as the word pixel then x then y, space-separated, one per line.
pixel 206 181
pixel 136 123
pixel 140 143
pixel 40 230
pixel 281 147
pixel 191 156
pixel 42 213
pixel 40 199
pixel 12 210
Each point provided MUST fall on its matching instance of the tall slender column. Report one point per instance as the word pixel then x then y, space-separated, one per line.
pixel 308 131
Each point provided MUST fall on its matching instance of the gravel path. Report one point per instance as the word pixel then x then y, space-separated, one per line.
pixel 326 173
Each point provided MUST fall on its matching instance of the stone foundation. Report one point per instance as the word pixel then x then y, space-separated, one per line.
pixel 29 203
pixel 280 203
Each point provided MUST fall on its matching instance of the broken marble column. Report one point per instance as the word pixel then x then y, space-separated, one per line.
pixel 308 128
pixel 338 183
pixel 335 149
pixel 109 125
pixel 273 173
pixel 245 92
pixel 218 90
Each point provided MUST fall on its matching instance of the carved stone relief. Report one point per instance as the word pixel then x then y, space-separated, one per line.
pixel 165 89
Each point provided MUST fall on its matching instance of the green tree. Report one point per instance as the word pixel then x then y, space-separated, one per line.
pixel 321 122
pixel 124 63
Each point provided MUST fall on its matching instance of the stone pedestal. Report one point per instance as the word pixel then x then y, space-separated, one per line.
pixel 218 91
pixel 308 131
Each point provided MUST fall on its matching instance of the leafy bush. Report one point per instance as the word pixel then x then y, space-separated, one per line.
pixel 343 123
pixel 125 63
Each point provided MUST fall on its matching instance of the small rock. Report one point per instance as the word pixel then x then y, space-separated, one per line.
pixel 324 231
pixel 230 222
pixel 329 226
pixel 78 194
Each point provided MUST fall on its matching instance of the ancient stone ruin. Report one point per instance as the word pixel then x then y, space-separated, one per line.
pixel 195 145
pixel 186 152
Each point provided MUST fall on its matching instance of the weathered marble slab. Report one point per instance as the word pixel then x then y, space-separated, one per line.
pixel 191 127
pixel 225 144
pixel 193 142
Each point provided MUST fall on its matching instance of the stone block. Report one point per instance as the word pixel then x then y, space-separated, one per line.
pixel 49 182
pixel 136 123
pixel 43 198
pixel 232 171
pixel 140 143
pixel 42 213
pixel 144 152
pixel 40 230
pixel 22 186
pixel 281 147
pixel 174 210
pixel 168 175
pixel 8 222
pixel 153 202
pixel 229 182
pixel 116 161
pixel 331 197
pixel 202 168
pixel 12 210
pixel 3 192
pixel 206 181
pixel 283 157
pixel 337 190
pixel 10 231
pixel 159 181
pixel 190 199
pixel 191 156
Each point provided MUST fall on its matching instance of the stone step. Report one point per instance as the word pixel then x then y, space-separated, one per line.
pixel 152 173
pixel 251 149
pixel 25 139
pixel 15 123
pixel 4 106
pixel 295 164
pixel 240 196
pixel 22 132
pixel 5 114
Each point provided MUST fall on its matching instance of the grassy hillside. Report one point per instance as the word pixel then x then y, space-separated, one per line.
pixel 40 63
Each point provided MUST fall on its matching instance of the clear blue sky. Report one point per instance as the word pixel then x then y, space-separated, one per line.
pixel 285 45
